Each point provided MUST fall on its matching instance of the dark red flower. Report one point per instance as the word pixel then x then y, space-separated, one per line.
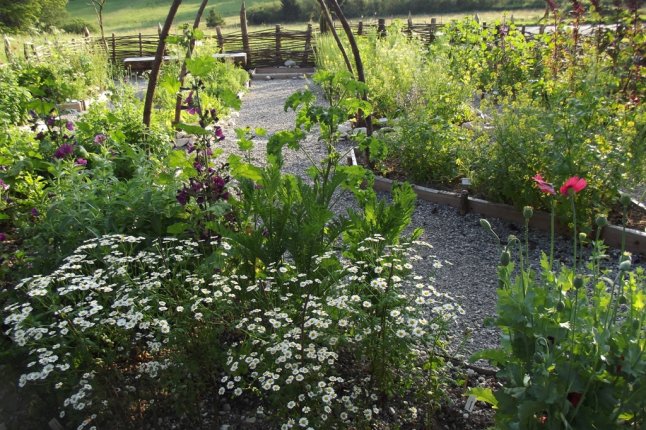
pixel 574 398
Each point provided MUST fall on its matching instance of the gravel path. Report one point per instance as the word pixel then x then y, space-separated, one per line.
pixel 469 254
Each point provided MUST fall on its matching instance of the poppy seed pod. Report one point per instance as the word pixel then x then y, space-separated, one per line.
pixel 560 306
pixel 624 199
pixel 601 221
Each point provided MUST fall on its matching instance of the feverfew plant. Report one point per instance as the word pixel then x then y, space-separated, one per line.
pixel 327 348
pixel 105 326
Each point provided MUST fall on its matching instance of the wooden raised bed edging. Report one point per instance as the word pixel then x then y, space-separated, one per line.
pixel 611 234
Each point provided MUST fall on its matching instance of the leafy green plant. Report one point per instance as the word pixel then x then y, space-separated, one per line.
pixel 573 346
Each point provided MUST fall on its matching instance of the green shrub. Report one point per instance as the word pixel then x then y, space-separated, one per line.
pixel 14 99
pixel 265 14
pixel 78 26
pixel 213 18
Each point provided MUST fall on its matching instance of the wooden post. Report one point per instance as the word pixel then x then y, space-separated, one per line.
pixel 7 48
pixel 360 29
pixel 114 49
pixel 218 31
pixel 245 33
pixel 279 57
pixel 25 50
pixel 141 46
pixel 308 45
pixel 154 73
pixel 410 24
pixel 381 27
pixel 432 29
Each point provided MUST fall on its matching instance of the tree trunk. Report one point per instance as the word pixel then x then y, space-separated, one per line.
pixel 330 23
pixel 189 53
pixel 159 57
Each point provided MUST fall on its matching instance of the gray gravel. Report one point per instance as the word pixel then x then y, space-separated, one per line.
pixel 469 254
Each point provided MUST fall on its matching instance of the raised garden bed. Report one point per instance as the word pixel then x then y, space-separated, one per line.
pixel 635 240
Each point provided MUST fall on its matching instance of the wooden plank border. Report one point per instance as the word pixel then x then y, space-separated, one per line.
pixel 611 234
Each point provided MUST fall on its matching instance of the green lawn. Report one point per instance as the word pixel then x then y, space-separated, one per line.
pixel 132 16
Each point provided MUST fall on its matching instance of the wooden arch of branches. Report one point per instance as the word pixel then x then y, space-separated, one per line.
pixel 326 6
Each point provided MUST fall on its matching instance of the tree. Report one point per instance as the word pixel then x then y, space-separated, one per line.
pixel 290 10
pixel 17 15
pixel 98 8
pixel 213 18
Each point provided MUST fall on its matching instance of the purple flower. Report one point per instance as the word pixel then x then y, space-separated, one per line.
pixel 219 134
pixel 51 121
pixel 4 185
pixel 35 212
pixel 218 182
pixel 193 110
pixel 81 162
pixel 63 151
pixel 189 98
pixel 3 237
pixel 69 125
pixel 182 197
pixel 100 138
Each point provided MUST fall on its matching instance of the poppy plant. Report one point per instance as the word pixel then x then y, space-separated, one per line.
pixel 575 184
pixel 545 187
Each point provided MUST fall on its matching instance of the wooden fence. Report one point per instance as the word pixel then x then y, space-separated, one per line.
pixel 264 48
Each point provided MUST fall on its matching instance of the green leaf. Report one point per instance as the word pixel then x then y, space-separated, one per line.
pixel 492 355
pixel 193 129
pixel 241 170
pixel 201 66
pixel 229 99
pixel 483 394
pixel 177 228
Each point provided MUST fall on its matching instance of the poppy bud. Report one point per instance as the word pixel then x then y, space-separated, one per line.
pixel 528 212
pixel 485 224
pixel 504 258
pixel 578 282
pixel 624 266
pixel 582 237
pixel 560 306
pixel 538 357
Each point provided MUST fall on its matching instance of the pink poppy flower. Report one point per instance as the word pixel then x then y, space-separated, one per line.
pixel 545 187
pixel 575 184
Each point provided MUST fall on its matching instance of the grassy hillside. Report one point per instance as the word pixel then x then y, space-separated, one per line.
pixel 127 16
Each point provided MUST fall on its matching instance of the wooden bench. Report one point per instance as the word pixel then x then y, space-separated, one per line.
pixel 239 58
pixel 141 64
